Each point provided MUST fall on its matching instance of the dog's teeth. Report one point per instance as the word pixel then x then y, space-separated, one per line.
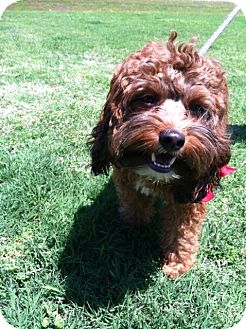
pixel 175 176
pixel 161 165
pixel 153 158
pixel 172 161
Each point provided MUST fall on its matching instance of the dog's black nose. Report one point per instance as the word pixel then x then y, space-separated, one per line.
pixel 172 140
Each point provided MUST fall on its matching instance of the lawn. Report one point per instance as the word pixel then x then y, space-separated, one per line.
pixel 65 261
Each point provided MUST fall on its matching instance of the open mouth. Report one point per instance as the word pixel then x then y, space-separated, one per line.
pixel 161 163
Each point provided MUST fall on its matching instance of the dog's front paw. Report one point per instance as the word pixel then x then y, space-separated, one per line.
pixel 174 266
pixel 174 270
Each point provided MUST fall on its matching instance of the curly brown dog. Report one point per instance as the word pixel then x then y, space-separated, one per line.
pixel 164 130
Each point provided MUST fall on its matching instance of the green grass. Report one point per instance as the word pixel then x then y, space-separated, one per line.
pixel 117 5
pixel 64 259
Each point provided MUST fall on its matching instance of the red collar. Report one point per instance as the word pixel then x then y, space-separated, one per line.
pixel 222 172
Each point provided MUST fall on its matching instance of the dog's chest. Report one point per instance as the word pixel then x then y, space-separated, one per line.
pixel 141 187
pixel 149 188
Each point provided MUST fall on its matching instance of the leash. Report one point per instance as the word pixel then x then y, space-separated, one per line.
pixel 218 32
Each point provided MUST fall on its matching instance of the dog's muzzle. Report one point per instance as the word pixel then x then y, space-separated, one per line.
pixel 171 140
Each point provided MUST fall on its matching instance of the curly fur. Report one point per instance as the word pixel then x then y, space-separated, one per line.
pixel 165 88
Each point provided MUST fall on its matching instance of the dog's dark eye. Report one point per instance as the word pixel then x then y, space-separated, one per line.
pixel 147 100
pixel 197 109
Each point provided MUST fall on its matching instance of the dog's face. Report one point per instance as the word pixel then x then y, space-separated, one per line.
pixel 165 116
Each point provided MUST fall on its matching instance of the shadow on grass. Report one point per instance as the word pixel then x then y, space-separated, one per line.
pixel 103 260
pixel 238 133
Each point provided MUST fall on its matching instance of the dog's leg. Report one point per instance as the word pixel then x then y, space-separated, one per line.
pixel 179 240
pixel 135 205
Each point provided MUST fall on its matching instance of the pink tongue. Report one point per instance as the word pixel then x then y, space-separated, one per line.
pixel 164 159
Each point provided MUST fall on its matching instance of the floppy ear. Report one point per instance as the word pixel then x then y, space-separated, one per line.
pixel 196 190
pixel 205 184
pixel 99 144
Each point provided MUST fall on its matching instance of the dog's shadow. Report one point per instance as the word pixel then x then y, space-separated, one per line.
pixel 102 259
pixel 238 133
